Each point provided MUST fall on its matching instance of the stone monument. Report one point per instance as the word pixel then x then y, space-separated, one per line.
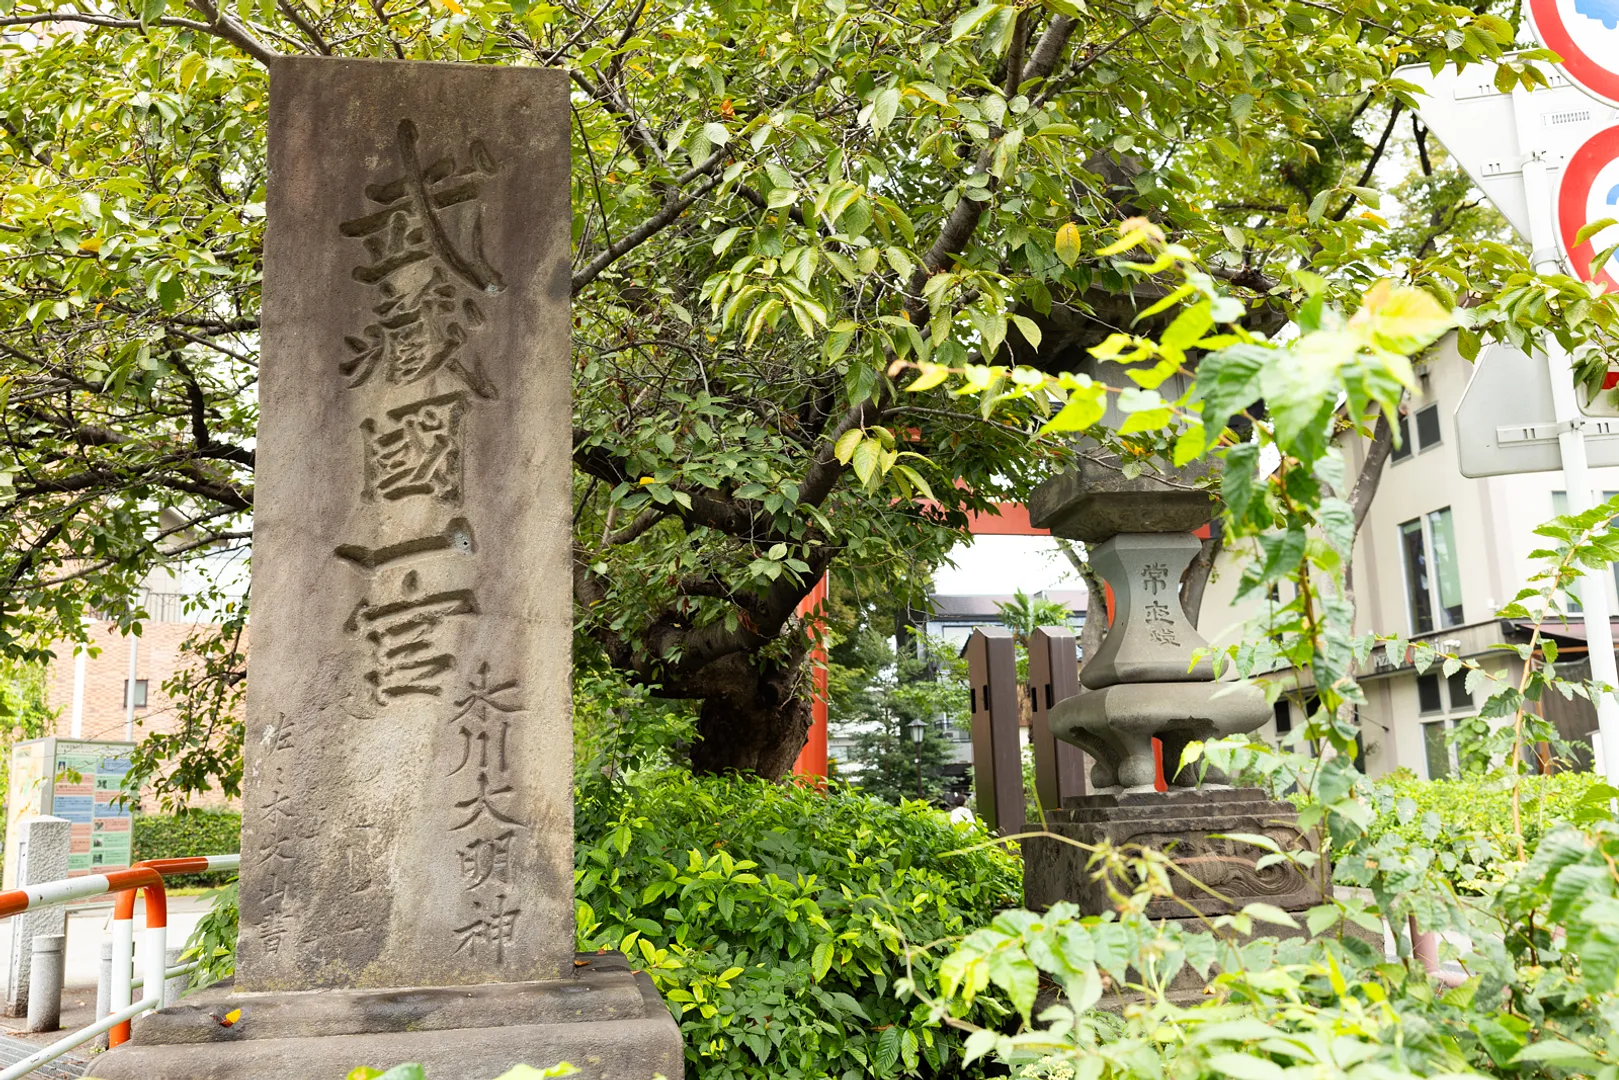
pixel 407 848
pixel 1146 683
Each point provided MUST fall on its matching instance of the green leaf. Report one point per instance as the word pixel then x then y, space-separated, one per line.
pixel 884 108
pixel 1228 381
pixel 1591 228
pixel 866 458
pixel 821 960
pixel 916 479
pixel 1190 445
pixel 844 448
pixel 978 1044
pixel 1269 913
pixel 1246 1067
pixel 1085 407
pixel 1401 318
pixel 1028 328
pixel 404 1072
pixel 1558 1052
pixel 887 1051
pixel 151 11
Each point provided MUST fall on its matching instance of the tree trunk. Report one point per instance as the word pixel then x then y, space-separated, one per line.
pixel 759 727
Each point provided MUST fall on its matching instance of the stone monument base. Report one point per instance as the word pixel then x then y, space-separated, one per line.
pixel 1184 824
pixel 607 1021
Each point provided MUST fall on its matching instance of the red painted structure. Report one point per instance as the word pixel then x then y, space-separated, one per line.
pixel 1012 519
pixel 812 759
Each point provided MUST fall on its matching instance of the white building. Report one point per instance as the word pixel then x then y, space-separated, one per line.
pixel 1438 555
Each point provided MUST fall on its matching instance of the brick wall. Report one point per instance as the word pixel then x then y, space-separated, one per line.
pixel 157 658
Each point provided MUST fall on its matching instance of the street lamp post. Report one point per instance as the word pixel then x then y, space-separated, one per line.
pixel 917 728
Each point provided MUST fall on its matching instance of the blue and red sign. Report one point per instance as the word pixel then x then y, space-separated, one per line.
pixel 1589 191
pixel 1585 33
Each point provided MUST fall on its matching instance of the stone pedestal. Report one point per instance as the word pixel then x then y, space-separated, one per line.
pixel 1182 824
pixel 606 1020
pixel 408 788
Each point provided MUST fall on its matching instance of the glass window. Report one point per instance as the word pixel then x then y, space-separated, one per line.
pixel 1559 508
pixel 1417 586
pixel 1428 693
pixel 140 693
pixel 1460 699
pixel 1437 753
pixel 1428 426
pixel 1442 533
pixel 1403 429
pixel 1284 716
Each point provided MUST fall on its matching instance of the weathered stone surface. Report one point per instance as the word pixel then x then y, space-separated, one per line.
pixel 408 791
pixel 609 1023
pixel 43 856
pixel 1095 500
pixel 1150 639
pixel 1183 824
pixel 1116 726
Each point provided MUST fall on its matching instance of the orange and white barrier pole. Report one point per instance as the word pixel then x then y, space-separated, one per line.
pixel 156 944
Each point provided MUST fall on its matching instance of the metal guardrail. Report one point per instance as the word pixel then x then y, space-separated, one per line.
pixel 144 877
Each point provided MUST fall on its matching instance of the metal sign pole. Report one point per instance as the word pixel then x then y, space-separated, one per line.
pixel 1571 434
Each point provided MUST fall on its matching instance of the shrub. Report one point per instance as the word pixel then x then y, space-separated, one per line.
pixel 188 833
pixel 1467 822
pixel 777 920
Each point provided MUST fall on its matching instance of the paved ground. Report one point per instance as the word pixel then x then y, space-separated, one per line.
pixel 68 1068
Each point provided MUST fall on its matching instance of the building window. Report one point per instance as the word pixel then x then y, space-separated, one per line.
pixel 1432 579
pixel 140 693
pixel 1418 431
pixel 1284 716
pixel 1428 694
pixel 1428 435
pixel 1460 699
pixel 1436 750
pixel 1403 429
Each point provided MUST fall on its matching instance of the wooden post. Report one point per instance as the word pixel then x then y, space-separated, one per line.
pixel 997 756
pixel 1059 767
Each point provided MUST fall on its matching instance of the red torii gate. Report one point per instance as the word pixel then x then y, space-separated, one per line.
pixel 1010 519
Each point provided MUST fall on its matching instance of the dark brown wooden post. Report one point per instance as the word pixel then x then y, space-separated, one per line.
pixel 1059 767
pixel 997 756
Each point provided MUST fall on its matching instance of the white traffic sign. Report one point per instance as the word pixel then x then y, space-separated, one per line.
pixel 1479 126
pixel 1585 33
pixel 1506 421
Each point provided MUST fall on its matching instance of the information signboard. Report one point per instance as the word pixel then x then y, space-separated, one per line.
pixel 82 781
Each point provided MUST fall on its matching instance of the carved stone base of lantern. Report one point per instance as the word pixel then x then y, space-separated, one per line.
pixel 1183 824
pixel 606 1021
pixel 1116 726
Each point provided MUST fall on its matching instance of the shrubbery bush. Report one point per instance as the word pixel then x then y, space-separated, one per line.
pixel 189 833
pixel 1467 822
pixel 777 919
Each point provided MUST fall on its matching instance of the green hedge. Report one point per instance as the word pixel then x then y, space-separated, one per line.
pixel 1468 821
pixel 777 920
pixel 193 832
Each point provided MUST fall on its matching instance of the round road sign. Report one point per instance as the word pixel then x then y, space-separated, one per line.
pixel 1589 191
pixel 1585 33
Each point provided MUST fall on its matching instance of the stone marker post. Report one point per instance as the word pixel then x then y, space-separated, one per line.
pixel 408 797
pixel 42 856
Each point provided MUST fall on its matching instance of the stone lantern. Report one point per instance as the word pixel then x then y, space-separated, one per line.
pixel 1145 683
